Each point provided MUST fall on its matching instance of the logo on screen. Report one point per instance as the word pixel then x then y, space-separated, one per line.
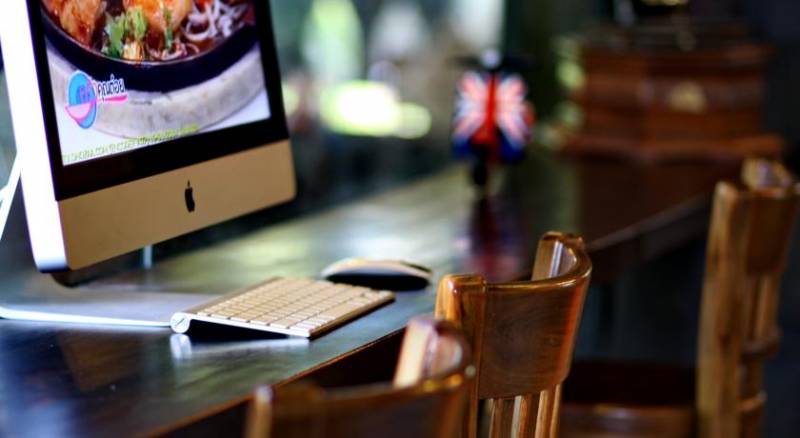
pixel 84 94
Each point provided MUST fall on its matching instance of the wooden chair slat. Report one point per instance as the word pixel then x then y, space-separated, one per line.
pixel 528 415
pixel 502 418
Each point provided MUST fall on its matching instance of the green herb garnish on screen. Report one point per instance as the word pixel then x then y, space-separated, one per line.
pixel 137 23
pixel 168 37
pixel 115 30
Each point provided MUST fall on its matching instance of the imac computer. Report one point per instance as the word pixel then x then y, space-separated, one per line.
pixel 135 124
pixel 137 121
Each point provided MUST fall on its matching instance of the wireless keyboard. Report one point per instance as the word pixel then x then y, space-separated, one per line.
pixel 297 307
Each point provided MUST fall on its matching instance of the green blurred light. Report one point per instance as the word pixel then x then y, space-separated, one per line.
pixel 291 98
pixel 415 121
pixel 571 75
pixel 372 109
pixel 333 41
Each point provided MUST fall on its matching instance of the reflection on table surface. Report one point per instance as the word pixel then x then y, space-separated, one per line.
pixel 183 347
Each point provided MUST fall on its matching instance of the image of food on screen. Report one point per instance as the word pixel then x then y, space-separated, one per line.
pixel 128 74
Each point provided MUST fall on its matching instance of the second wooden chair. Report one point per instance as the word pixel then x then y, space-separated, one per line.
pixel 522 336
pixel 749 237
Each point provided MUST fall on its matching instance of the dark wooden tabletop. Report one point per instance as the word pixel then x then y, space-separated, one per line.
pixel 80 381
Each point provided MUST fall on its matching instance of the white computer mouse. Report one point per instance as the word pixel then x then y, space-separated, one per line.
pixel 395 275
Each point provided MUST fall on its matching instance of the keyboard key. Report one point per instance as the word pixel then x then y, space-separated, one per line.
pixel 339 311
pixel 318 321
pixel 282 324
pixel 286 322
pixel 305 326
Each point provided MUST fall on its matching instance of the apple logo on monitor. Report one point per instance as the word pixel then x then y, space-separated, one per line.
pixel 188 195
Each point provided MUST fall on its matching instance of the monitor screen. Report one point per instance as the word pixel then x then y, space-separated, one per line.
pixel 126 104
pixel 139 87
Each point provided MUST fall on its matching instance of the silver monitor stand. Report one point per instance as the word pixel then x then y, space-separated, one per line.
pixel 26 294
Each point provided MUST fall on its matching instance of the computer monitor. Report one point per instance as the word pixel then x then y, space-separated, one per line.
pixel 140 120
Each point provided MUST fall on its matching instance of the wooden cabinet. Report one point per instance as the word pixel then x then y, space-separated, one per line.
pixel 672 92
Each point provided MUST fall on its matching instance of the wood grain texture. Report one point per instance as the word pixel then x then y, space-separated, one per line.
pixel 522 334
pixel 722 310
pixel 426 399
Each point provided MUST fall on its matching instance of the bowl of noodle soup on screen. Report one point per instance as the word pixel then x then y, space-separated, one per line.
pixel 150 70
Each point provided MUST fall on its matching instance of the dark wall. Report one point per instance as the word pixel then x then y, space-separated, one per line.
pixel 778 21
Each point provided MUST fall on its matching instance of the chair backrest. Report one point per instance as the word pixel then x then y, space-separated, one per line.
pixel 425 400
pixel 522 337
pixel 749 236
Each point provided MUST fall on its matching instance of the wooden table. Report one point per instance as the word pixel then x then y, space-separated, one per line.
pixel 79 381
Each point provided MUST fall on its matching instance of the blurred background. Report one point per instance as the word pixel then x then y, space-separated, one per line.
pixel 369 88
pixel 369 84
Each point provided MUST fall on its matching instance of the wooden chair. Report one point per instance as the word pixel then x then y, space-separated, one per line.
pixel 522 337
pixel 749 233
pixel 426 398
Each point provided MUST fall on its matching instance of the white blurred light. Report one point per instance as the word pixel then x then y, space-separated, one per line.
pixel 399 31
pixel 477 22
